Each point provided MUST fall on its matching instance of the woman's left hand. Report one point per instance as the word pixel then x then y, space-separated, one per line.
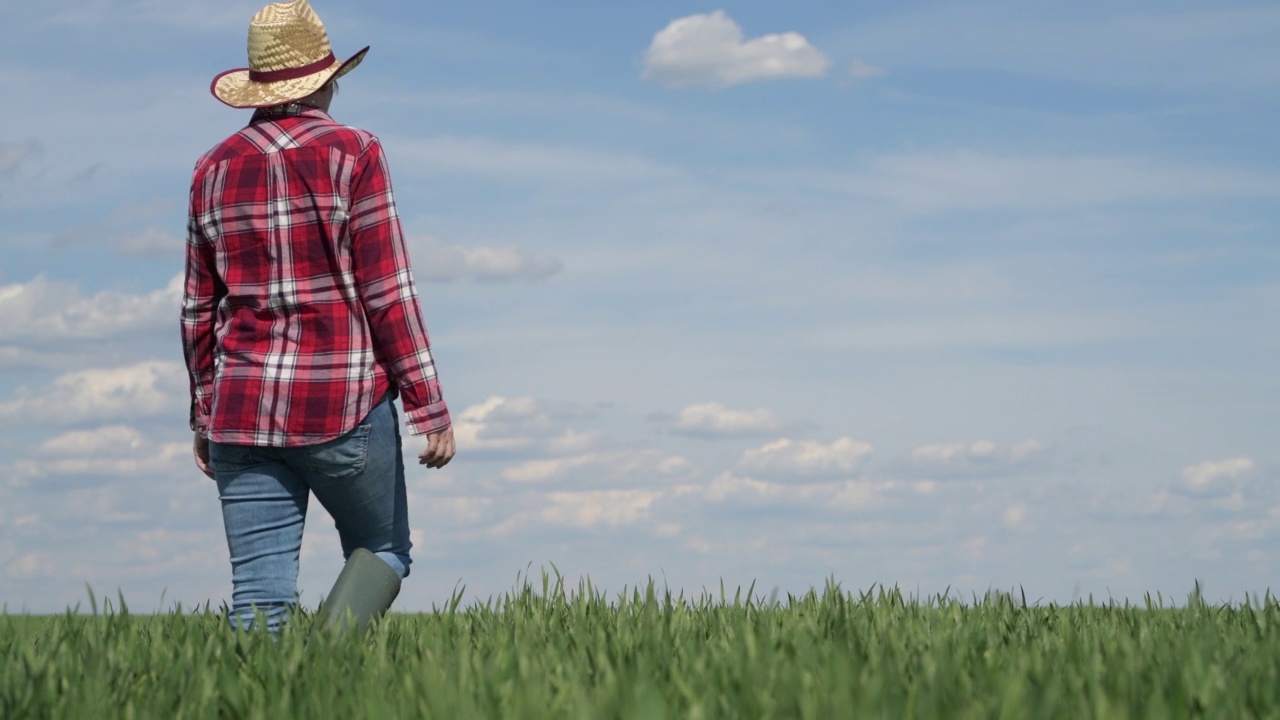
pixel 200 447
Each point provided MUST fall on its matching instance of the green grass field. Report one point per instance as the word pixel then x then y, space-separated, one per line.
pixel 539 652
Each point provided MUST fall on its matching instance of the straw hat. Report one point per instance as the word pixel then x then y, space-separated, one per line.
pixel 289 58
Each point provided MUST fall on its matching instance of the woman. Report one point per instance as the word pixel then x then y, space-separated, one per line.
pixel 300 324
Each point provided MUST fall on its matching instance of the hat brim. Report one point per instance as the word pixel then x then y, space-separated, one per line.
pixel 234 87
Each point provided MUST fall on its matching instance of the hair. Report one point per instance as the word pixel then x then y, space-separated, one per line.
pixel 333 84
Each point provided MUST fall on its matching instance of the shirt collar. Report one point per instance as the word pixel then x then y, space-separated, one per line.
pixel 293 109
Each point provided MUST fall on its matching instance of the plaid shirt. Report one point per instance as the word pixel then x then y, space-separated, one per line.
pixel 300 309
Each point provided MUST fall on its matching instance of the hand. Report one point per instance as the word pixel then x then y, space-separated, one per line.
pixel 200 447
pixel 440 449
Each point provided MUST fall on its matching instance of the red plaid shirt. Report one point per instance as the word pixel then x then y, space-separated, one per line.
pixel 300 309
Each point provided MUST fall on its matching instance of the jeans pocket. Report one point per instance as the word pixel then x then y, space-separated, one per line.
pixel 230 458
pixel 341 457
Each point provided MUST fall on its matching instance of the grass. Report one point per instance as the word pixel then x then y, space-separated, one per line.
pixel 542 652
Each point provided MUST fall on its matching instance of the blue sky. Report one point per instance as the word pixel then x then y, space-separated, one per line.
pixel 962 295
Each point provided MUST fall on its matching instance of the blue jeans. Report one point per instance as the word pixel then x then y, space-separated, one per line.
pixel 358 478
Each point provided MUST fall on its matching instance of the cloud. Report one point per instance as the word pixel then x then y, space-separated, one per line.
pixel 111 450
pixel 713 419
pixel 752 492
pixel 948 453
pixel 859 70
pixel 602 469
pixel 151 241
pixel 970 459
pixel 498 423
pixel 1215 479
pixel 505 425
pixel 1243 531
pixel 709 50
pixel 149 388
pixel 748 490
pixel 790 459
pixel 44 309
pixel 452 510
pixel 439 261
pixel 1015 515
pixel 109 440
pixel 859 495
pixel 33 565
pixel 607 508
pixel 727 485
pixel 1026 450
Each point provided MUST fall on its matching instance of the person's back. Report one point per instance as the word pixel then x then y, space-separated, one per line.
pixel 301 226
pixel 300 325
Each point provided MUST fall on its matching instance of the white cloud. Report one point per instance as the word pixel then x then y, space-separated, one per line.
pixel 610 508
pixel 110 440
pixel 1015 515
pixel 489 425
pixel 602 469
pixel 112 450
pixel 1238 531
pixel 713 419
pixel 517 424
pixel 44 309
pixel 571 441
pixel 728 486
pixel 498 407
pixel 34 564
pixel 969 459
pixel 710 50
pixel 1026 450
pixel 1234 502
pixel 540 470
pixel 1126 506
pixel 103 504
pixel 149 388
pixel 852 495
pixel 436 260
pixel 945 453
pixel 1215 478
pixel 151 241
pixel 786 458
pixel 859 495
pixel 859 70
pixel 452 510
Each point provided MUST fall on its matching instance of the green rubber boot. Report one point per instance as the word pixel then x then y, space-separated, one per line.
pixel 365 588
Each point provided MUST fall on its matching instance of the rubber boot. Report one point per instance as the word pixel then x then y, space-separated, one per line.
pixel 365 588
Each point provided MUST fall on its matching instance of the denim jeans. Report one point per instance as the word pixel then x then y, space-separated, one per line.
pixel 358 478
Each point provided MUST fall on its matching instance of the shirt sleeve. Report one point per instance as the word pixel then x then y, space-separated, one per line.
pixel 385 284
pixel 202 292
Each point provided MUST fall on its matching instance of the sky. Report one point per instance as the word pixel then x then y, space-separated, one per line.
pixel 948 296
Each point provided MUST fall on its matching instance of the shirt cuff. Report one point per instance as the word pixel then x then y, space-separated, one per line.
pixel 199 422
pixel 430 419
